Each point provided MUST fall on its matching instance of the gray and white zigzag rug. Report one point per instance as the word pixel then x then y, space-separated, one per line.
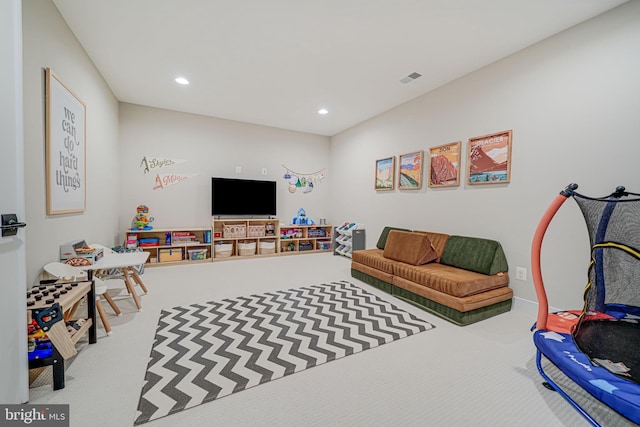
pixel 206 351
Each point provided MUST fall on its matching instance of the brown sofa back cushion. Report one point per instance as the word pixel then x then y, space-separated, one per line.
pixel 412 248
pixel 382 240
pixel 438 241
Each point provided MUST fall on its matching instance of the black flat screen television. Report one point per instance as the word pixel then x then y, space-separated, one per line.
pixel 242 197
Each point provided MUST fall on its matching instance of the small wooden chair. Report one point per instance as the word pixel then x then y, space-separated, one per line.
pixel 59 270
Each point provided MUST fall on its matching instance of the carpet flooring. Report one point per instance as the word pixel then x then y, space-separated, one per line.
pixel 206 351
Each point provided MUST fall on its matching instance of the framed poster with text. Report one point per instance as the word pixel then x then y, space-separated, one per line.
pixel 489 159
pixel 65 148
pixel 444 165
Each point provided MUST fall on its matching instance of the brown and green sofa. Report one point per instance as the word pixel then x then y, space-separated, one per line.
pixel 461 279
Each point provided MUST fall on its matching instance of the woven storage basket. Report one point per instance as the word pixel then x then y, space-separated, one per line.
pixel 247 248
pixel 223 250
pixel 255 231
pixel 233 231
pixel 267 247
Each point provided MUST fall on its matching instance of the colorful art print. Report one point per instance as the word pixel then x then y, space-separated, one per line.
pixel 489 159
pixel 444 165
pixel 385 174
pixel 410 172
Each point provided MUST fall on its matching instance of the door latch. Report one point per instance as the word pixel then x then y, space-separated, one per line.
pixel 10 225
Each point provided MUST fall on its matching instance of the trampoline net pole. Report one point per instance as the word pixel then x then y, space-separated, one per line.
pixel 536 246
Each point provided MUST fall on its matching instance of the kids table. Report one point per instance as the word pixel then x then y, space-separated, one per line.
pixel 126 262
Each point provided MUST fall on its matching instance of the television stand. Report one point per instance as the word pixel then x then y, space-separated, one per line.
pixel 237 238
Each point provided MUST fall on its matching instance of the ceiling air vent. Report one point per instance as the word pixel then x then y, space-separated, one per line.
pixel 411 77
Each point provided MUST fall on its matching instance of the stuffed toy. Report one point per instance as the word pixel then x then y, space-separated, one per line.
pixel 301 218
pixel 142 219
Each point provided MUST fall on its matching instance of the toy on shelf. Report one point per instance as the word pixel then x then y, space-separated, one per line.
pixel 142 219
pixel 301 218
pixel 291 233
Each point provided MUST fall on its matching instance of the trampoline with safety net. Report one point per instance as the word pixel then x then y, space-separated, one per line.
pixel 597 347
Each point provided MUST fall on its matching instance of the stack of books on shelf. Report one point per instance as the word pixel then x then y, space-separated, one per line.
pixel 183 238
pixel 148 242
pixel 131 240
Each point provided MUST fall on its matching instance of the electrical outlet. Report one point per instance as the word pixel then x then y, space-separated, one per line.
pixel 521 273
pixel 238 169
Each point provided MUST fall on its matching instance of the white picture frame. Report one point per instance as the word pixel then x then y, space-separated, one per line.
pixel 65 148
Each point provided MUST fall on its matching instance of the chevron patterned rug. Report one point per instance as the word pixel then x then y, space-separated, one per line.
pixel 206 351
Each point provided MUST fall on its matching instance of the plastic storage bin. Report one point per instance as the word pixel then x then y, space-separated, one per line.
pixel 197 254
pixel 323 245
pixel 305 246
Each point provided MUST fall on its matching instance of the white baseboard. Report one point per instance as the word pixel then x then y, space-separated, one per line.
pixel 528 306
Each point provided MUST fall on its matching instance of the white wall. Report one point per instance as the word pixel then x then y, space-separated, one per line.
pixel 211 147
pixel 13 335
pixel 572 102
pixel 48 42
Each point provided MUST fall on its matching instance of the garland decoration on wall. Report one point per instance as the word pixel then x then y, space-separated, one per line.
pixel 305 181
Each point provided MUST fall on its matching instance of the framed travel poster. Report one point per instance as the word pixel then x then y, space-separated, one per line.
pixel 65 148
pixel 385 174
pixel 489 159
pixel 444 165
pixel 410 173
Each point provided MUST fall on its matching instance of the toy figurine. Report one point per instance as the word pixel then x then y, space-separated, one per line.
pixel 302 219
pixel 142 219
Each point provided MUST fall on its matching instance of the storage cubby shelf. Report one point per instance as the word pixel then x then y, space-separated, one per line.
pixel 348 237
pixel 171 246
pixel 235 238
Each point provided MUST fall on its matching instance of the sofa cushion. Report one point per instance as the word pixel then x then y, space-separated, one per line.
pixel 452 281
pixel 382 240
pixel 372 272
pixel 438 240
pixel 474 254
pixel 412 248
pixel 373 258
pixel 460 304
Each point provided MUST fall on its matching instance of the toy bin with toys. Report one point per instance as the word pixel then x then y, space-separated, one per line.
pixel 197 254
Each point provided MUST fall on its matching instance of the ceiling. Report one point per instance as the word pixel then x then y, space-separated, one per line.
pixel 277 62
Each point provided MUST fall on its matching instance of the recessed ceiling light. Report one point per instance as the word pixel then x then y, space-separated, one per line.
pixel 182 81
pixel 323 111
